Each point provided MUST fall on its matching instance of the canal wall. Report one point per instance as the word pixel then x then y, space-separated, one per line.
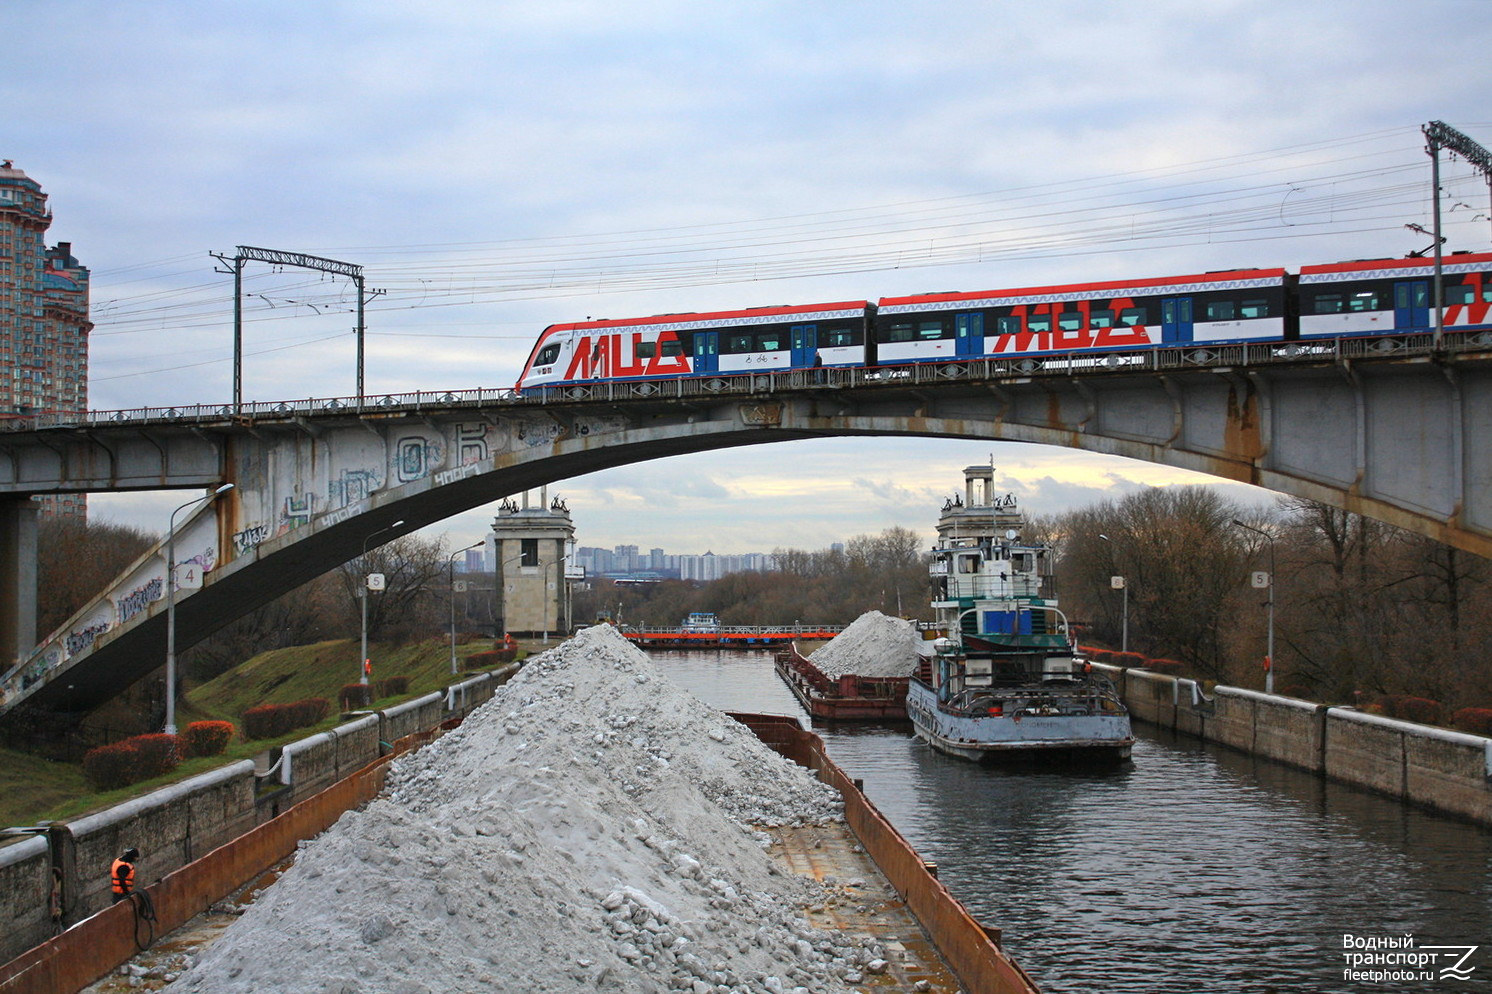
pixel 55 875
pixel 1445 771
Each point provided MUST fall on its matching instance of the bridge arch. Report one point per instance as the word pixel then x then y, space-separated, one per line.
pixel 1408 441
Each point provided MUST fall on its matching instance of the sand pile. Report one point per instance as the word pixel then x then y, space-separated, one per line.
pixel 586 830
pixel 874 645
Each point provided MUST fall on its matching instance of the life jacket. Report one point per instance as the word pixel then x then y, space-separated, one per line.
pixel 122 876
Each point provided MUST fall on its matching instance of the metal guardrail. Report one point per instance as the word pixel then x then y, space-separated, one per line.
pixel 943 371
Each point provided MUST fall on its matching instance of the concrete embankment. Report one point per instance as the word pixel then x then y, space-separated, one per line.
pixel 1446 771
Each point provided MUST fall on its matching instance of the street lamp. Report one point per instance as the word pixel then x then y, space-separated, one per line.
pixel 451 575
pixel 1265 581
pixel 171 604
pixel 362 668
pixel 1119 583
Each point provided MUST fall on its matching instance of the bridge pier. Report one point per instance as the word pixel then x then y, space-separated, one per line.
pixel 17 579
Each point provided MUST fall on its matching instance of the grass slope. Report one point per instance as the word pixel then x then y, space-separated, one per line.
pixel 34 791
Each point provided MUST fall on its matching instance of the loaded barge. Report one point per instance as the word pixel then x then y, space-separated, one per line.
pixel 850 697
pixel 1007 685
pixel 704 631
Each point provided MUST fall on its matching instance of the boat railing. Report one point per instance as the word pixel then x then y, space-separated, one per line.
pixel 1086 698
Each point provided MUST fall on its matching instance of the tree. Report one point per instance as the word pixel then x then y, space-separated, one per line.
pixel 76 560
pixel 401 610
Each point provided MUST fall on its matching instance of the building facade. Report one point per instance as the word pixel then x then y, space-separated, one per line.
pixel 534 572
pixel 44 321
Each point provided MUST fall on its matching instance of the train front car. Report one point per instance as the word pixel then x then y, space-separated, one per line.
pixel 1216 308
pixel 1389 297
pixel 721 343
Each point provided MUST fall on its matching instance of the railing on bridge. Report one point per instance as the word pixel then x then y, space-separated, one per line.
pixel 1191 356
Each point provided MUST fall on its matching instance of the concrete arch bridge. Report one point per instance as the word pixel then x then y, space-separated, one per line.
pixel 1390 429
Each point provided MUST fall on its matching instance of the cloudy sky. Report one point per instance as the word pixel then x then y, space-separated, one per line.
pixel 500 166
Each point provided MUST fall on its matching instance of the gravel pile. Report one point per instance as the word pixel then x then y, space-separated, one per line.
pixel 589 829
pixel 874 645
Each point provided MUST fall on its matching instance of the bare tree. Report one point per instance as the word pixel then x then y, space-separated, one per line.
pixel 76 560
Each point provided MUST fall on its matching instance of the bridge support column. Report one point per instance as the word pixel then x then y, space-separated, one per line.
pixel 17 579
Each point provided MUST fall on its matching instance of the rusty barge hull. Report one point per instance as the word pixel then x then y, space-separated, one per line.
pixel 844 698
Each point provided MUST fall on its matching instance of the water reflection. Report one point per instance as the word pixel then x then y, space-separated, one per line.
pixel 1195 869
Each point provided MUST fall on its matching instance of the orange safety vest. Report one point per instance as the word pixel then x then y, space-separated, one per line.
pixel 122 876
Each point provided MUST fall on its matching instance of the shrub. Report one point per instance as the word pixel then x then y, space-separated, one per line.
pixel 1419 709
pixel 1134 659
pixel 393 685
pixel 355 695
pixel 207 738
pixel 131 760
pixel 484 660
pixel 268 721
pixel 1477 721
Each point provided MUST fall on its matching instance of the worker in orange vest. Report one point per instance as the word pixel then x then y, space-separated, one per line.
pixel 122 874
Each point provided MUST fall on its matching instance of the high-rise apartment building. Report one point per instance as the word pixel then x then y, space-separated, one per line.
pixel 43 316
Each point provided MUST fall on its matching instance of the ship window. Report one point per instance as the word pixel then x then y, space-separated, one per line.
pixel 968 564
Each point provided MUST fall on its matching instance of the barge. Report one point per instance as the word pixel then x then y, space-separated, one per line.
pixel 850 697
pixel 703 631
pixel 1007 685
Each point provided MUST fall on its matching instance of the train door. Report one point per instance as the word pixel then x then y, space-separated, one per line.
pixel 1175 320
pixel 707 351
pixel 805 345
pixel 968 334
pixel 1411 305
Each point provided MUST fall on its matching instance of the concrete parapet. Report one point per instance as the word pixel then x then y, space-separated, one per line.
pixel 1150 697
pixel 1441 769
pixel 411 716
pixel 26 893
pixel 171 827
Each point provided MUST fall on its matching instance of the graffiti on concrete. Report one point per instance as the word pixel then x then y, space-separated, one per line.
pixel 139 599
pixel 80 639
pixel 417 456
pixel 353 485
pixel 471 443
pixel 296 511
pixel 248 539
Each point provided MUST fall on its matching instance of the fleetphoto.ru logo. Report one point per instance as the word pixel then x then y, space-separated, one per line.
pixel 1378 958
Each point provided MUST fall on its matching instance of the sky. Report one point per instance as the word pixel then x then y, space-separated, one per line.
pixel 497 167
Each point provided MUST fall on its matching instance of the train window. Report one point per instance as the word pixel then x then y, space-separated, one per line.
pixel 1463 294
pixel 735 344
pixel 931 330
pixel 1220 310
pixel 899 331
pixel 1070 320
pixel 769 341
pixel 547 355
pixel 646 350
pixel 1329 303
pixel 1101 319
pixel 1254 309
pixel 1008 326
pixel 841 336
pixel 1487 292
pixel 673 347
pixel 1366 300
pixel 1039 322
pixel 1133 317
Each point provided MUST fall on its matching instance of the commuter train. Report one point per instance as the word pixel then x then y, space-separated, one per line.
pixel 1367 298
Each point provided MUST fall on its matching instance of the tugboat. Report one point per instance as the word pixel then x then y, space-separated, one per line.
pixel 1007 685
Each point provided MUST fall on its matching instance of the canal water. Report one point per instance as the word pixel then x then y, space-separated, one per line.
pixel 1195 869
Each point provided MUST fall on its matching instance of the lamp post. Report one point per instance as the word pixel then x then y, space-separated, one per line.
pixel 1265 581
pixel 362 666
pixel 171 604
pixel 451 576
pixel 1119 583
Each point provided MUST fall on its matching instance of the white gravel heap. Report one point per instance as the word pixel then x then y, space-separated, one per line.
pixel 874 645
pixel 586 830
